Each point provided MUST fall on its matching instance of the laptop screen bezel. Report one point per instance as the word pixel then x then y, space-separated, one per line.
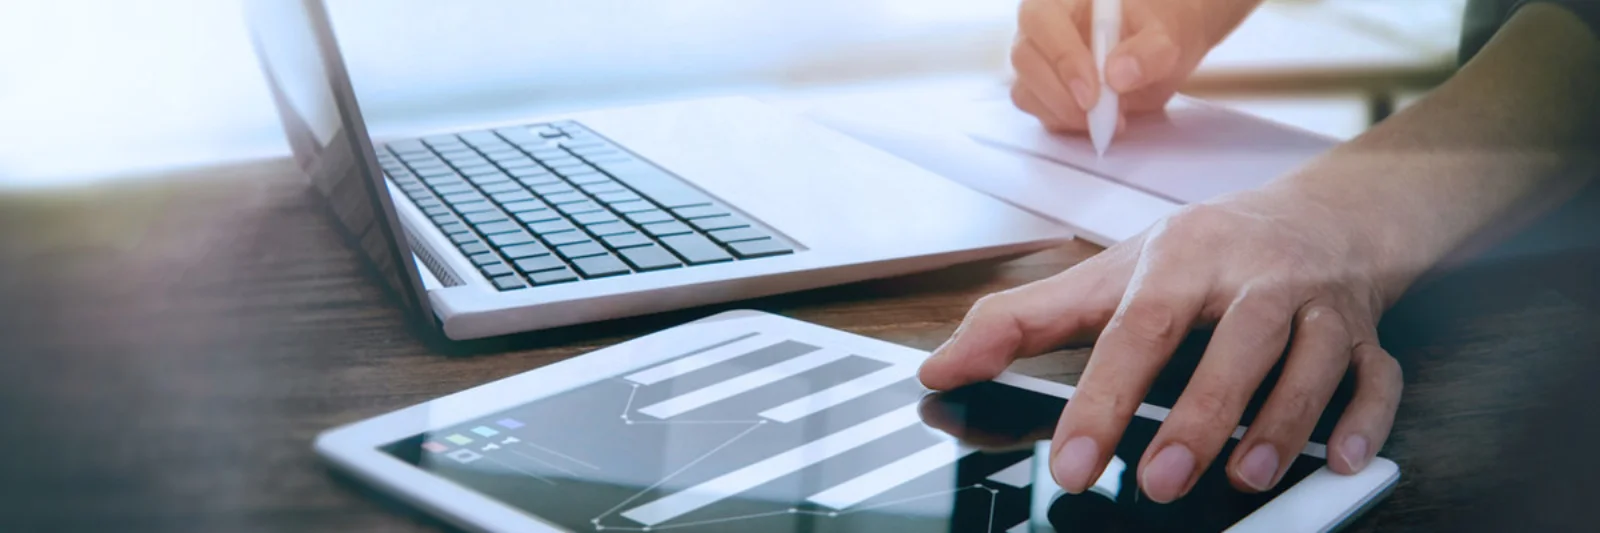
pixel 364 156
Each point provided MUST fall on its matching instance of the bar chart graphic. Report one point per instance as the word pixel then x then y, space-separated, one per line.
pixel 750 432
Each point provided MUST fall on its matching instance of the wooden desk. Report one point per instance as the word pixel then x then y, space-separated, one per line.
pixel 170 347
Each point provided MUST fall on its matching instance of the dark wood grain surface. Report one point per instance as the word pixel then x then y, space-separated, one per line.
pixel 170 346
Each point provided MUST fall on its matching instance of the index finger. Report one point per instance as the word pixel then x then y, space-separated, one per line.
pixel 1158 308
pixel 1051 25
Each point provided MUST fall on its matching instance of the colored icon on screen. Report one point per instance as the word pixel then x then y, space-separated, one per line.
pixel 481 430
pixel 458 439
pixel 434 447
pixel 509 423
pixel 464 456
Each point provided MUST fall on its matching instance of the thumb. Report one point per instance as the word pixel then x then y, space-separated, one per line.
pixel 1146 58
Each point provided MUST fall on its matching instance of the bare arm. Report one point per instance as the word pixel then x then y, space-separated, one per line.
pixel 1516 126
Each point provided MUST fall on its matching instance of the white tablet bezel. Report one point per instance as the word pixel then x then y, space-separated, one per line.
pixel 1320 502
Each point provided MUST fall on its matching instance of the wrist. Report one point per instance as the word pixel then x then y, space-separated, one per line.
pixel 1382 240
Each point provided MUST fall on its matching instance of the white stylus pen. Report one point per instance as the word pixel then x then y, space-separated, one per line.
pixel 1105 33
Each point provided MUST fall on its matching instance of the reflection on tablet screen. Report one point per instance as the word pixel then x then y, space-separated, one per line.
pixel 792 437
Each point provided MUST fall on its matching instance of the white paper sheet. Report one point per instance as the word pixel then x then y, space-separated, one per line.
pixel 1193 152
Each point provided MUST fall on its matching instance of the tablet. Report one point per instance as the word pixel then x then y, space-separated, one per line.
pixel 747 421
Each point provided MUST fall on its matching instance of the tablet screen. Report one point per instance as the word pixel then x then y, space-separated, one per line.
pixel 783 438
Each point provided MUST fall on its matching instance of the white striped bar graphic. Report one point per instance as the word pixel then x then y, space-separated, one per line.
pixel 730 484
pixel 837 394
pixel 746 382
pixel 883 478
pixel 715 354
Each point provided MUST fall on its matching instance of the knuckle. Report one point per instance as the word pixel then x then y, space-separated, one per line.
pixel 1383 366
pixel 1020 96
pixel 1148 321
pixel 1019 59
pixel 1212 409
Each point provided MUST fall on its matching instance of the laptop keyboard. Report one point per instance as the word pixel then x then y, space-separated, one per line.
pixel 556 203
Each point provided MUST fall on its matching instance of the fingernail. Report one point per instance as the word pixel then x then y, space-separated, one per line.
pixel 1075 462
pixel 1259 467
pixel 1082 93
pixel 1168 473
pixel 1354 452
pixel 1123 72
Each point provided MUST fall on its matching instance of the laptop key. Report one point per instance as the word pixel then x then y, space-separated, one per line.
pixel 615 197
pixel 489 179
pixel 552 188
pixel 516 161
pixel 600 266
pixel 696 249
pixel 759 248
pixel 667 228
pixel 737 234
pixel 442 219
pixel 537 180
pixel 635 206
pixel 509 283
pixel 437 210
pixel 524 250
pixel 508 197
pixel 552 226
pixel 510 239
pixel 650 257
pixel 473 248
pixel 600 186
pixel 582 249
pixel 527 205
pixel 453 188
pixel 552 277
pixel 721 222
pixel 453 228
pixel 575 208
pixel 539 263
pixel 473 207
pixel 565 238
pixel 504 186
pixel 626 240
pixel 496 228
pixel 594 217
pixel 497 270
pixel 538 215
pixel 590 178
pixel 528 172
pixel 461 198
pixel 484 216
pixel 613 227
pixel 484 259
pixel 565 198
pixel 443 181
pixel 649 217
pixel 700 211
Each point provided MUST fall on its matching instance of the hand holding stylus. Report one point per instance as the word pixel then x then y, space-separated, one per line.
pixel 1161 42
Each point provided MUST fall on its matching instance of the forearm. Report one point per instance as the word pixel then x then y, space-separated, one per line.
pixel 1517 122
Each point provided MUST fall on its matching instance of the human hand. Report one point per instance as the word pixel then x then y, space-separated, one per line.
pixel 1057 81
pixel 1268 270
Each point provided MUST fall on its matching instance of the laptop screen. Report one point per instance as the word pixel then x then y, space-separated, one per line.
pixel 300 60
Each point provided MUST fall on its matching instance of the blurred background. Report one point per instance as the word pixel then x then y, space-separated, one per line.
pixel 96 89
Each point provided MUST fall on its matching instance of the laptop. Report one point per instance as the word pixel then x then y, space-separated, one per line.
pixel 534 223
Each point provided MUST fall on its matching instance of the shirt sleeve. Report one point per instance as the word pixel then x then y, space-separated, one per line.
pixel 1485 17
